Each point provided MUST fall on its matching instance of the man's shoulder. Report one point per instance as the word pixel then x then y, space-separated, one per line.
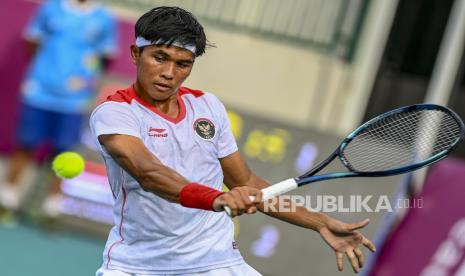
pixel 119 100
pixel 189 91
pixel 198 95
pixel 121 96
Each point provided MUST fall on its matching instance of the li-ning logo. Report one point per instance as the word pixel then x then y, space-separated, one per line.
pixel 157 132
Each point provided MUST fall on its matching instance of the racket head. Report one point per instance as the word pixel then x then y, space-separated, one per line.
pixel 402 140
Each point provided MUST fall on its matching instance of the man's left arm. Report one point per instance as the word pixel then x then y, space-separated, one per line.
pixel 341 237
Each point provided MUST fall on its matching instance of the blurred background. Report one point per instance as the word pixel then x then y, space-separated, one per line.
pixel 296 77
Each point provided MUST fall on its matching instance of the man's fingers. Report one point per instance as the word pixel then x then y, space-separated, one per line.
pixel 245 197
pixel 366 242
pixel 257 196
pixel 252 210
pixel 242 200
pixel 232 206
pixel 340 261
pixel 360 257
pixel 358 225
pixel 240 204
pixel 235 207
pixel 353 261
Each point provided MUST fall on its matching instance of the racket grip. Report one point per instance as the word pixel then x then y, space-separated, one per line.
pixel 272 191
pixel 279 188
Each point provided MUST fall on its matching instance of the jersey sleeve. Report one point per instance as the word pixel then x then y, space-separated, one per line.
pixel 36 29
pixel 114 118
pixel 226 142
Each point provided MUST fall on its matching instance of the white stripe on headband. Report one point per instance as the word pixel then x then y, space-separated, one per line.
pixel 142 42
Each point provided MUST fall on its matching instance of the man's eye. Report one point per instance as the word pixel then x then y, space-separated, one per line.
pixel 159 58
pixel 183 65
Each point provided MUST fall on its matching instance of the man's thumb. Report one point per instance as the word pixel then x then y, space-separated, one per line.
pixel 358 225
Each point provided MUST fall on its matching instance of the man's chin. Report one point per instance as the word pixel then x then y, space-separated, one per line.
pixel 162 95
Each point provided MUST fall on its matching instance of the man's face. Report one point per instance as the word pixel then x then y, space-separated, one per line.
pixel 161 70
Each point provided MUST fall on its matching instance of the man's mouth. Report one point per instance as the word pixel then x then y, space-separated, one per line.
pixel 162 87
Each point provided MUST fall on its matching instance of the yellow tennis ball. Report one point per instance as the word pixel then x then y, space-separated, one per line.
pixel 68 164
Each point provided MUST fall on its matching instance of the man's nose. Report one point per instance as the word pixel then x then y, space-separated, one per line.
pixel 168 71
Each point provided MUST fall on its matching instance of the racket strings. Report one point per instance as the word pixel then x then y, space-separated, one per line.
pixel 401 140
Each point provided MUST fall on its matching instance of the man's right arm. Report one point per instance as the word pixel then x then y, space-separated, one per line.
pixel 132 155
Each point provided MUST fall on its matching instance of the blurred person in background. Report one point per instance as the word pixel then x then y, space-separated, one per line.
pixel 71 42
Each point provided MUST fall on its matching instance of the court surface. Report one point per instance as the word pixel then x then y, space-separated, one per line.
pixel 27 250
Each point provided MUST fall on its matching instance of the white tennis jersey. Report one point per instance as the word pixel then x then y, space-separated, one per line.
pixel 152 235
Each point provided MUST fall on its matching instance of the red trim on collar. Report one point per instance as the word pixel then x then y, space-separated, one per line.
pixel 182 107
pixel 184 90
pixel 128 94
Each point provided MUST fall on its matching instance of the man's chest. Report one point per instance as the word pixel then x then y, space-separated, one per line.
pixel 193 138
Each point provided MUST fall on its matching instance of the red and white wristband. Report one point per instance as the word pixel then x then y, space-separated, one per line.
pixel 198 196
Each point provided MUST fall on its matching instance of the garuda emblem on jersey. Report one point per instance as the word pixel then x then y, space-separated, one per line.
pixel 204 128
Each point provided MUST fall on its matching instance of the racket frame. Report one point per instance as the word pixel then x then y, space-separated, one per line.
pixel 310 177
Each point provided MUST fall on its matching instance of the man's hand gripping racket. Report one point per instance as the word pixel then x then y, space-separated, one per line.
pixel 395 142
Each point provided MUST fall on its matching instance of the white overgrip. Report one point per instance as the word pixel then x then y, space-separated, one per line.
pixel 279 188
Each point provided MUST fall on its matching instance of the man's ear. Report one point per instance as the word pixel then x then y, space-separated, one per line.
pixel 135 53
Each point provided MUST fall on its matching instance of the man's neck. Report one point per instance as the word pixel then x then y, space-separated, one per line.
pixel 169 106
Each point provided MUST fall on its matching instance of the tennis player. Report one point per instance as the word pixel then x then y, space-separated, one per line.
pixel 168 149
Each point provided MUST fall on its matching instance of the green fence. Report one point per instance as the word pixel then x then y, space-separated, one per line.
pixel 330 26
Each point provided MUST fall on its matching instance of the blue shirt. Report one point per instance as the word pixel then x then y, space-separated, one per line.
pixel 63 75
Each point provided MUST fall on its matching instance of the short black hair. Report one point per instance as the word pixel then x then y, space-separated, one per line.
pixel 171 24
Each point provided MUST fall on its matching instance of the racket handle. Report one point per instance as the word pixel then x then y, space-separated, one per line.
pixel 279 188
pixel 272 191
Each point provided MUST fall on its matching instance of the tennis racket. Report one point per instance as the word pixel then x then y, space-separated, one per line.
pixel 395 142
